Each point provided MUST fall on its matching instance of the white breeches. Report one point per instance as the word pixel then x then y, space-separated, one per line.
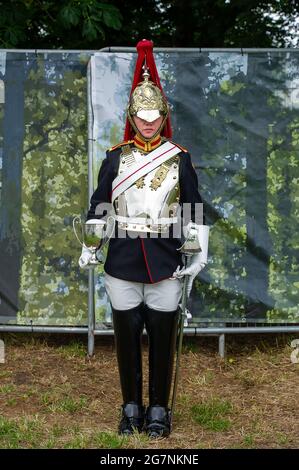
pixel 124 295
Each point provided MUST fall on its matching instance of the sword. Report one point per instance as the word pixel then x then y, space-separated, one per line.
pixel 180 336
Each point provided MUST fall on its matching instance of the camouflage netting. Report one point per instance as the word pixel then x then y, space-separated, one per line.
pixel 238 114
pixel 44 183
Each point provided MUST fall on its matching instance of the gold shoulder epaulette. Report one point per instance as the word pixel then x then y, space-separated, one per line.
pixel 180 147
pixel 125 142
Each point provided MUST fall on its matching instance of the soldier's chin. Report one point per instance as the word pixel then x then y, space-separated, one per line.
pixel 148 133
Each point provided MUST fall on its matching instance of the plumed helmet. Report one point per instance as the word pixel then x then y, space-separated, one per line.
pixel 147 100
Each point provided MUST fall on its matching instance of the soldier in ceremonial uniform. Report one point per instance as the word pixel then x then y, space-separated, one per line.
pixel 147 179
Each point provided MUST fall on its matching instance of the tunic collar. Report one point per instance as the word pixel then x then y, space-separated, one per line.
pixel 147 145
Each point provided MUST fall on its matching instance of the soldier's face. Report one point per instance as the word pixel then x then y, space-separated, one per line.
pixel 147 129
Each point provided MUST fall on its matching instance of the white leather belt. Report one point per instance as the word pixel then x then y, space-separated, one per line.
pixel 143 224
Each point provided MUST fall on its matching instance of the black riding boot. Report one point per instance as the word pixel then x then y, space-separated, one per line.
pixel 128 328
pixel 162 330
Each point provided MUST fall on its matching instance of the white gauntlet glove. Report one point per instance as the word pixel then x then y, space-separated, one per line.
pixel 198 260
pixel 86 253
pixel 85 257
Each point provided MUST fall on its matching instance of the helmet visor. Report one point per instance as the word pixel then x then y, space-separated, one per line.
pixel 148 115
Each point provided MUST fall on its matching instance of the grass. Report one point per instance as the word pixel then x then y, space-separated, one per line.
pixel 108 440
pixel 212 414
pixel 72 350
pixel 16 433
pixel 202 379
pixel 32 433
pixel 7 388
pixel 248 441
pixel 282 439
pixel 4 373
pixel 78 442
pixel 67 404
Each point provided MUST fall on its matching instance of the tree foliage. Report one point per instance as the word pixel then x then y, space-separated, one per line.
pixel 93 24
pixel 51 24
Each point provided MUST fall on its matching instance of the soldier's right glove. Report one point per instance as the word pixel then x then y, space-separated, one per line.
pixel 199 260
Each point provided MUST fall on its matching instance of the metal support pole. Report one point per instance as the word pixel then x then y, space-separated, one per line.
pixel 91 312
pixel 157 49
pixel 43 329
pixel 189 331
pixel 196 50
pixel 91 306
pixel 221 345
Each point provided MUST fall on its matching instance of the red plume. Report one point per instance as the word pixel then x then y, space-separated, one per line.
pixel 145 51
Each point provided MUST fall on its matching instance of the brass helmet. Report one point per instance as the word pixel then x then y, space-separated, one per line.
pixel 147 102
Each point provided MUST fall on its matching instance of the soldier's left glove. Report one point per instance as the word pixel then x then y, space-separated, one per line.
pixel 199 260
